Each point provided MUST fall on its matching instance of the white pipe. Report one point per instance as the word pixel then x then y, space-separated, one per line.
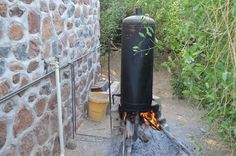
pixel 60 124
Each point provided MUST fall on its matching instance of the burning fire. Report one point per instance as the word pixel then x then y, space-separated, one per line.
pixel 150 119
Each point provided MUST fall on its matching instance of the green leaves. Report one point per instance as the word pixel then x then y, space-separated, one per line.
pixel 111 17
pixel 136 49
pixel 224 76
pixel 141 34
pixel 234 132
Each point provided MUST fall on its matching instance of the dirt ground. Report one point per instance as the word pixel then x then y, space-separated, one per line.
pixel 183 116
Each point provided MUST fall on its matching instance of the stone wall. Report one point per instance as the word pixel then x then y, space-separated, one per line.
pixel 31 33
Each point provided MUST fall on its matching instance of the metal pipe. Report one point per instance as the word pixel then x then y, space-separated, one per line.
pixel 59 108
pixel 109 82
pixel 73 98
pixel 75 107
pixel 113 97
pixel 10 95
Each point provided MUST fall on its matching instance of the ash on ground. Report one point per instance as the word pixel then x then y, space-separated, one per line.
pixel 158 145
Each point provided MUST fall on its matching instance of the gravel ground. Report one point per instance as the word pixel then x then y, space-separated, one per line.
pixel 158 145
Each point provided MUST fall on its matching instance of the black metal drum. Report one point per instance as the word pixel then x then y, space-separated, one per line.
pixel 137 63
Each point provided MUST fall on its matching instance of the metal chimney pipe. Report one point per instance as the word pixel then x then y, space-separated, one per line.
pixel 139 11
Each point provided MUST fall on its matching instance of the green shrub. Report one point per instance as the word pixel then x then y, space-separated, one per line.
pixel 204 60
pixel 112 14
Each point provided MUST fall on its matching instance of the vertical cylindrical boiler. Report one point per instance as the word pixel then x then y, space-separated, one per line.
pixel 137 63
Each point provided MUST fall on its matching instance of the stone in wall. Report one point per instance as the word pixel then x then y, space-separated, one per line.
pixel 65 92
pixel 7 106
pixel 16 66
pixel 56 147
pixel 33 65
pixel 27 1
pixel 19 51
pixel 15 31
pixel 53 122
pixel 65 53
pixel 69 25
pixel 52 102
pixel 3 9
pixel 26 144
pixel 85 11
pixel 34 22
pixel 61 9
pixel 16 78
pixel 90 63
pixel 24 81
pixel 23 120
pixel 4 87
pixel 64 38
pixel 55 48
pixel 47 50
pixel 43 6
pixel 77 12
pixel 72 40
pixel 40 107
pixel 41 130
pixel 16 11
pixel 52 5
pixel 60 47
pixel 58 22
pixel 1 31
pixel 71 10
pixel 47 29
pixel 52 80
pixel 32 98
pixel 91 11
pixel 68 129
pixel 34 48
pixel 4 51
pixel 3 132
pixel 66 74
pixel 84 68
pixel 45 89
pixel 2 67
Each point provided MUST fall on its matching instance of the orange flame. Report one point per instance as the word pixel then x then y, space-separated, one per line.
pixel 150 119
